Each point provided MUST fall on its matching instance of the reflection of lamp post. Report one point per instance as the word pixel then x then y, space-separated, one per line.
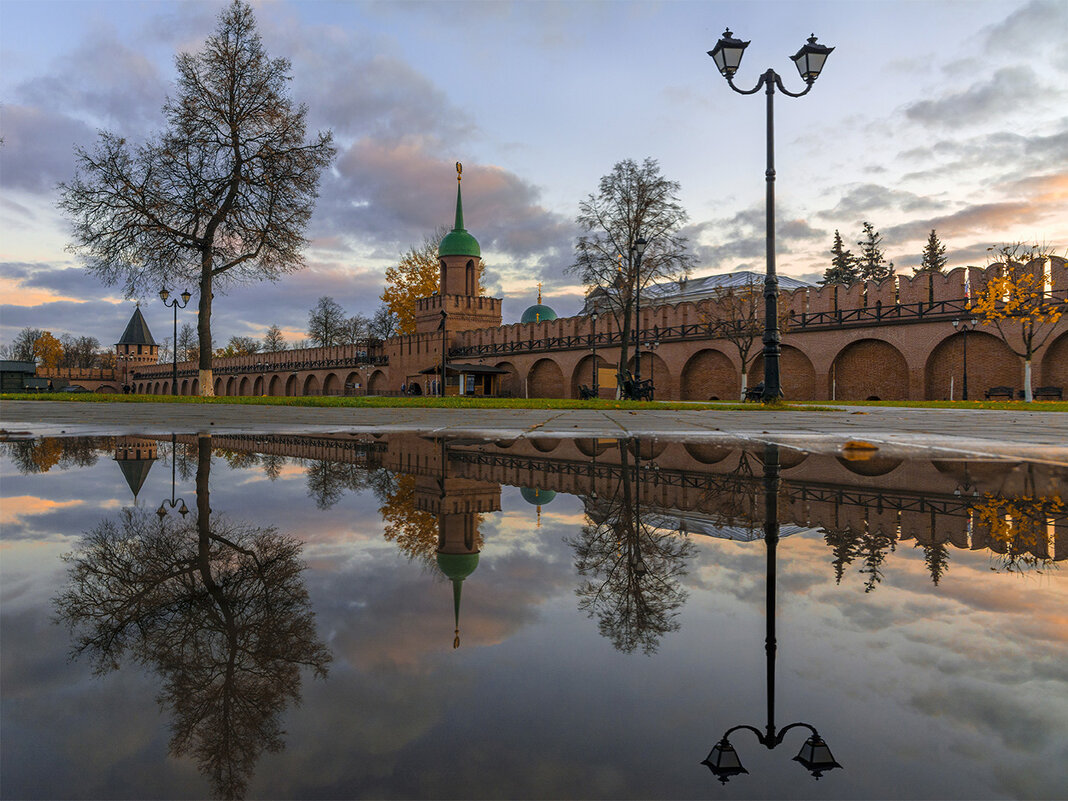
pixel 163 295
pixel 596 390
pixel 809 60
pixel 965 326
pixel 184 510
pixel 636 251
pixel 814 756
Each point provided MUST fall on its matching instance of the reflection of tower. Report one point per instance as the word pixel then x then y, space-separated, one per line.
pixel 538 498
pixel 135 456
pixel 457 502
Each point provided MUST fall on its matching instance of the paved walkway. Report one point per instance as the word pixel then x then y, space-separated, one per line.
pixel 1039 436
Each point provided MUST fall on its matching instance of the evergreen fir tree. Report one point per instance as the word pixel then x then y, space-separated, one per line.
pixel 843 269
pixel 934 256
pixel 871 263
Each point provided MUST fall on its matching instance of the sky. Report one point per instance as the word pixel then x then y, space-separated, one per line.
pixel 945 115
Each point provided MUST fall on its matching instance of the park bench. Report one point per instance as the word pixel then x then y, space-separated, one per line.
pixel 1000 392
pixel 585 393
pixel 636 390
pixel 755 393
pixel 1050 393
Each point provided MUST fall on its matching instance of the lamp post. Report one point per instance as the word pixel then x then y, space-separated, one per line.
pixel 183 510
pixel 593 342
pixel 814 756
pixel 441 386
pixel 636 251
pixel 163 295
pixel 809 61
pixel 965 326
pixel 125 359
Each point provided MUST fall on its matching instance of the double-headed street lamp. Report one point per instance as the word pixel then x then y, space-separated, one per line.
pixel 965 326
pixel 636 251
pixel 814 756
pixel 809 60
pixel 183 510
pixel 163 295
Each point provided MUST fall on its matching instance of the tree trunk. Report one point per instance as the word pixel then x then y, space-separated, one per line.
pixel 745 382
pixel 626 332
pixel 1027 380
pixel 207 381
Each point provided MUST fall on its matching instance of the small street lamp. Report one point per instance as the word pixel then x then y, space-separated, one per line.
pixel 636 251
pixel 441 386
pixel 163 295
pixel 593 342
pixel 125 359
pixel 809 61
pixel 965 326
pixel 183 510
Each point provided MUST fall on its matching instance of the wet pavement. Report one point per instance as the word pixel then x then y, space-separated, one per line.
pixel 1036 436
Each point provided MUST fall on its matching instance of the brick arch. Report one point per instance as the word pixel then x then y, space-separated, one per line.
pixel 706 453
pixel 869 368
pixel 1055 364
pixel 156 389
pixel 796 373
pixel 545 379
pixel 166 388
pixel 231 386
pixel 243 386
pixel 275 386
pixel 990 364
pixel 292 385
pixel 195 389
pixel 311 385
pixel 709 374
pixel 511 383
pixel 351 380
pixel 582 375
pixel 218 386
pixel 184 386
pixel 331 384
pixel 377 382
pixel 258 385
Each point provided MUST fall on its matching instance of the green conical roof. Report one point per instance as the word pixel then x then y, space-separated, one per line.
pixel 458 242
pixel 457 567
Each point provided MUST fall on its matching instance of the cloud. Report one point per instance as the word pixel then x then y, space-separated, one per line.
pixel 38 150
pixel 1008 90
pixel 742 237
pixel 1035 26
pixel 860 199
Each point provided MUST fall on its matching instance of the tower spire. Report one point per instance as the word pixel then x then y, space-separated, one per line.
pixel 459 225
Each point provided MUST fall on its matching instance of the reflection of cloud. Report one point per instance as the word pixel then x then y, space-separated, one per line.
pixel 19 506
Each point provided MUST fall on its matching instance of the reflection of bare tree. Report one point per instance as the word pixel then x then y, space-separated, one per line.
pixel 218 609
pixel 631 570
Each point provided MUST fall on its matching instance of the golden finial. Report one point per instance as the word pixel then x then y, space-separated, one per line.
pixel 459 171
pixel 456 639
pixel 539 293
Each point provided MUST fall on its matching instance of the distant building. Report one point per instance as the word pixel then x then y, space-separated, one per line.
pixel 14 375
pixel 694 290
pixel 136 344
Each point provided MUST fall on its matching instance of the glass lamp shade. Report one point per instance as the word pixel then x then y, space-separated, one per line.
pixel 163 293
pixel 728 53
pixel 723 761
pixel 816 757
pixel 162 511
pixel 186 296
pixel 184 510
pixel 639 245
pixel 809 59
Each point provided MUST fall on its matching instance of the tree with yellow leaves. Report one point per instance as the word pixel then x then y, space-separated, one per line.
pixel 48 349
pixel 1017 296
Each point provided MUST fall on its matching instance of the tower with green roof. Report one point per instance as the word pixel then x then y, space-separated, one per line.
pixel 460 260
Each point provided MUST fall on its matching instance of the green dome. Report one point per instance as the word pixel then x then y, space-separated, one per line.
pixel 538 314
pixel 459 243
pixel 457 565
pixel 536 497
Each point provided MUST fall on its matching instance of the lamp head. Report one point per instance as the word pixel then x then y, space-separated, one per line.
pixel 809 59
pixel 186 296
pixel 816 757
pixel 163 293
pixel 728 54
pixel 723 761
pixel 639 245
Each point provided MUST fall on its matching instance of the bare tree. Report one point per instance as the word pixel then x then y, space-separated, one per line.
pixel 384 323
pixel 187 343
pixel 223 193
pixel 22 347
pixel 327 323
pixel 632 201
pixel 273 341
pixel 357 329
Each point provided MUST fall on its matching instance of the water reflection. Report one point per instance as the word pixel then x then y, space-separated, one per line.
pixel 217 608
pixel 648 540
